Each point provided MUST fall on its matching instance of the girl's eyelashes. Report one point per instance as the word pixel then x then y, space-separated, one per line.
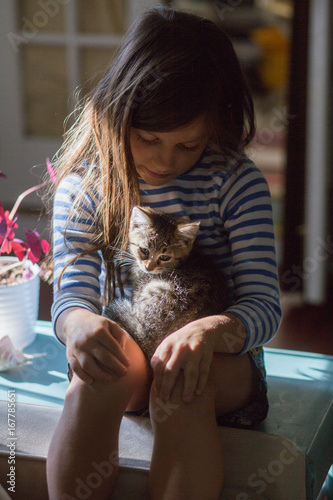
pixel 187 148
pixel 151 142
pixel 146 141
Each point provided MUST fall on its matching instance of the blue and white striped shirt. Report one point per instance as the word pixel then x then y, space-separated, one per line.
pixel 236 231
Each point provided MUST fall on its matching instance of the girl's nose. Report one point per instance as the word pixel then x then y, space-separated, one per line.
pixel 164 162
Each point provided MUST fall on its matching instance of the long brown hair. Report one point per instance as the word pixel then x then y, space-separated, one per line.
pixel 171 68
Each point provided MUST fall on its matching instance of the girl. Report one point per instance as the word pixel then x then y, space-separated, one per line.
pixel 165 128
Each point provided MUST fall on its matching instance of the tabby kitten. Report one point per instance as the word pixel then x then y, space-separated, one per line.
pixel 172 283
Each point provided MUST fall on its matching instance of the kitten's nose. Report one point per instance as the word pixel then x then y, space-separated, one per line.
pixel 149 265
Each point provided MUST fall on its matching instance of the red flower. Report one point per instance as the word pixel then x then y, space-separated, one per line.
pixel 34 246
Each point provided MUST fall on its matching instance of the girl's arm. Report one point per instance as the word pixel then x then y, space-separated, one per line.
pixel 227 330
pixel 94 344
pixel 79 286
pixel 246 211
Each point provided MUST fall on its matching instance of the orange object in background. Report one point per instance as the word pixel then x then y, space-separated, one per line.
pixel 275 48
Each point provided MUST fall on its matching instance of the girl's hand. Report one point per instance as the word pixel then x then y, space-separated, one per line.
pixel 190 349
pixel 94 346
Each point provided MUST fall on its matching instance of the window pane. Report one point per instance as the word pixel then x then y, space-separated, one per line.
pixel 102 16
pixel 93 64
pixel 41 16
pixel 205 8
pixel 44 84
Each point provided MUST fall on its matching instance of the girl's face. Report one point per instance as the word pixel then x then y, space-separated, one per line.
pixel 162 156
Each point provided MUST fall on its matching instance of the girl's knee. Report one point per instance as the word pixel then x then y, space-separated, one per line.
pixel 199 407
pixel 134 385
pixel 100 395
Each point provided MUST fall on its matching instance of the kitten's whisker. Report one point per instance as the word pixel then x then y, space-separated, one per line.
pixel 122 257
pixel 119 261
pixel 124 264
pixel 125 253
pixel 118 251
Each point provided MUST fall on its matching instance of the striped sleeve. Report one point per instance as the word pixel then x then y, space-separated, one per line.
pixel 80 284
pixel 247 213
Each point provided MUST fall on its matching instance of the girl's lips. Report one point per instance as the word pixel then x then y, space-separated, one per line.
pixel 156 176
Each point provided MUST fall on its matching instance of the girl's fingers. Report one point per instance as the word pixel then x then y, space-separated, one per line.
pixel 167 372
pixel 108 361
pixel 92 366
pixel 167 363
pixel 204 370
pixel 112 345
pixel 84 365
pixel 158 374
pixel 169 378
pixel 196 374
pixel 75 366
pixel 191 376
pixel 117 333
pixel 158 364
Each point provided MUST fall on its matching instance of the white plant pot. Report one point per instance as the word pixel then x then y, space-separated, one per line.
pixel 19 308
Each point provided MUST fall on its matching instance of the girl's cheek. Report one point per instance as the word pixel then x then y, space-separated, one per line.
pixel 139 153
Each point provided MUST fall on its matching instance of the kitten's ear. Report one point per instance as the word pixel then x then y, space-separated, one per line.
pixel 139 217
pixel 189 231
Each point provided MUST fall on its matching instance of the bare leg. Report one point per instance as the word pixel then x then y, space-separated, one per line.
pixel 187 459
pixel 83 452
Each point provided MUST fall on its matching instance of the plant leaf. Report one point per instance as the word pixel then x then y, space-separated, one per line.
pixel 2 212
pixel 33 240
pixel 19 248
pixel 53 175
pixel 3 228
pixel 32 256
pixel 6 246
pixel 45 246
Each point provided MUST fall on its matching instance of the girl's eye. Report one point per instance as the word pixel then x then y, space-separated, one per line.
pixel 145 141
pixel 144 252
pixel 187 148
pixel 152 142
pixel 164 258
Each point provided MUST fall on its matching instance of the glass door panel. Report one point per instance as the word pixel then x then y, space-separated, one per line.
pixel 93 62
pixel 45 90
pixel 49 18
pixel 102 16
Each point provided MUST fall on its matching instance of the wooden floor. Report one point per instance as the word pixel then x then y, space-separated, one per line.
pixel 303 328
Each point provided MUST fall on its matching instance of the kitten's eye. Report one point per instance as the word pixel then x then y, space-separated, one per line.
pixel 144 252
pixel 164 258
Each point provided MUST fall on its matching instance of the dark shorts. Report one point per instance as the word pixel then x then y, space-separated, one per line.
pixel 257 409
pixel 254 413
